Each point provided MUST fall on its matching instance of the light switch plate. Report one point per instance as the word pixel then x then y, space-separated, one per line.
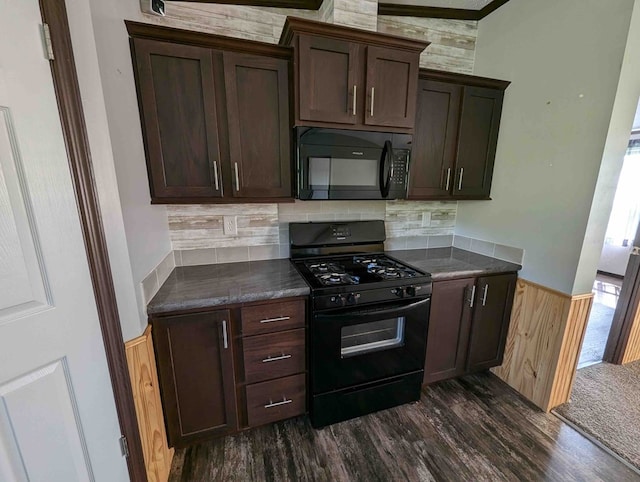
pixel 230 225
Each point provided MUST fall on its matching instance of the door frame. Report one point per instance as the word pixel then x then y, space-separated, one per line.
pixel 65 81
pixel 626 309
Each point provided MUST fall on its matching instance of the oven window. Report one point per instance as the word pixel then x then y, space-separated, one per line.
pixel 331 171
pixel 373 336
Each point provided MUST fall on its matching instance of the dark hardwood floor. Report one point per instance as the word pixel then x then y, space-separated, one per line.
pixel 475 428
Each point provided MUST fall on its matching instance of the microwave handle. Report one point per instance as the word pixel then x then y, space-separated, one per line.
pixel 387 156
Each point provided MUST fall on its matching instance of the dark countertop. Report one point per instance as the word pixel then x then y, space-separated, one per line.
pixel 189 287
pixel 449 263
pixel 192 287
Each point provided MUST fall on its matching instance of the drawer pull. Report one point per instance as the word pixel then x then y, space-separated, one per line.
pixel 279 318
pixel 277 404
pixel 277 358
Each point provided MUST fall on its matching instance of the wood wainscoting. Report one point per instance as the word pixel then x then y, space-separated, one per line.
pixel 146 394
pixel 543 346
pixel 632 348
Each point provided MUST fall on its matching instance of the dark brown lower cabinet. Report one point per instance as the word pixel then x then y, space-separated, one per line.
pixel 230 369
pixel 468 325
pixel 195 368
pixel 494 299
pixel 449 325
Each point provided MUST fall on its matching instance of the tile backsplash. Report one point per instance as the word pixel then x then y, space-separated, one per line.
pixel 197 232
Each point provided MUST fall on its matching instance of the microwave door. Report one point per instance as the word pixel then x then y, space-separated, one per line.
pixel 386 159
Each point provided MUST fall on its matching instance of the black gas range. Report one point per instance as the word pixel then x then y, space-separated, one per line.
pixel 368 322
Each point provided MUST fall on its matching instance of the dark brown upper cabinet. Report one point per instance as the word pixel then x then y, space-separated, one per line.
pixel 175 88
pixel 215 115
pixel 354 79
pixel 455 137
pixel 257 91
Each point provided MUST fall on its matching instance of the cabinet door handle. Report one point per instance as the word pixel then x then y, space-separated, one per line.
pixel 215 175
pixel 355 96
pixel 473 295
pixel 279 318
pixel 373 97
pixel 448 179
pixel 276 358
pixel 460 180
pixel 484 295
pixel 277 404
pixel 235 168
pixel 224 334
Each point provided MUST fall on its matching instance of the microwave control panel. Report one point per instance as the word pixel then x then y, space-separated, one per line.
pixel 399 172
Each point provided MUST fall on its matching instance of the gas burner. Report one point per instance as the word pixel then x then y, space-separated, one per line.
pixel 321 268
pixel 392 272
pixel 333 279
pixel 367 260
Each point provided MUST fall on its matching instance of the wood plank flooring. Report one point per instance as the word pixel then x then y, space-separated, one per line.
pixel 475 428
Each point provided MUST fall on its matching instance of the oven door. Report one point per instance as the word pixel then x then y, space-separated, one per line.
pixel 359 345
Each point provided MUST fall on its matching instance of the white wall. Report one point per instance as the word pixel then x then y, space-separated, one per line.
pixel 84 48
pixel 564 59
pixel 622 120
pixel 614 259
pixel 146 228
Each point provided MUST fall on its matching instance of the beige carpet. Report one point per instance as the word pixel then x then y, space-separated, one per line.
pixel 605 403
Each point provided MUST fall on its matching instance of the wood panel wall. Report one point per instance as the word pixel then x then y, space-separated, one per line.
pixel 146 394
pixel 544 341
pixel 632 350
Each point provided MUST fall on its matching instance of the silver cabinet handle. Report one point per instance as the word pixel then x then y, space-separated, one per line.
pixel 224 334
pixel 215 175
pixel 484 295
pixel 235 168
pixel 276 358
pixel 448 179
pixel 373 97
pixel 277 404
pixel 460 180
pixel 473 295
pixel 279 318
pixel 355 93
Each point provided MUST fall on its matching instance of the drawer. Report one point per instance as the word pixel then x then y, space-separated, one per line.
pixel 270 317
pixel 274 355
pixel 276 400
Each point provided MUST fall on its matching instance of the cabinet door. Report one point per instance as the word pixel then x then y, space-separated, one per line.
pixel 477 141
pixel 434 142
pixel 257 91
pixel 449 323
pixel 328 81
pixel 492 312
pixel 392 87
pixel 177 105
pixel 195 367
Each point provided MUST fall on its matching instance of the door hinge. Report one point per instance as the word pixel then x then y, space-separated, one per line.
pixel 124 446
pixel 636 251
pixel 48 46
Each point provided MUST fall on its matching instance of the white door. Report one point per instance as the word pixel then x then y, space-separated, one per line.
pixel 58 419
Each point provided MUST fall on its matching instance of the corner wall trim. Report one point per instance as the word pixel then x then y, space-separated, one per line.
pixel 67 91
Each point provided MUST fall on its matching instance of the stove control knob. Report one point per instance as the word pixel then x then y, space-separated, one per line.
pixel 352 298
pixel 338 300
pixel 399 292
pixel 410 290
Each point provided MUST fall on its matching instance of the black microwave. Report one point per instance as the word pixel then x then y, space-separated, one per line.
pixel 343 164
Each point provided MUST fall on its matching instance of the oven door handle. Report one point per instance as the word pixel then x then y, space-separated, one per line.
pixel 361 315
pixel 386 158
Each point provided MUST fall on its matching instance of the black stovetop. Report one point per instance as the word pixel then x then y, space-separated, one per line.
pixel 358 270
